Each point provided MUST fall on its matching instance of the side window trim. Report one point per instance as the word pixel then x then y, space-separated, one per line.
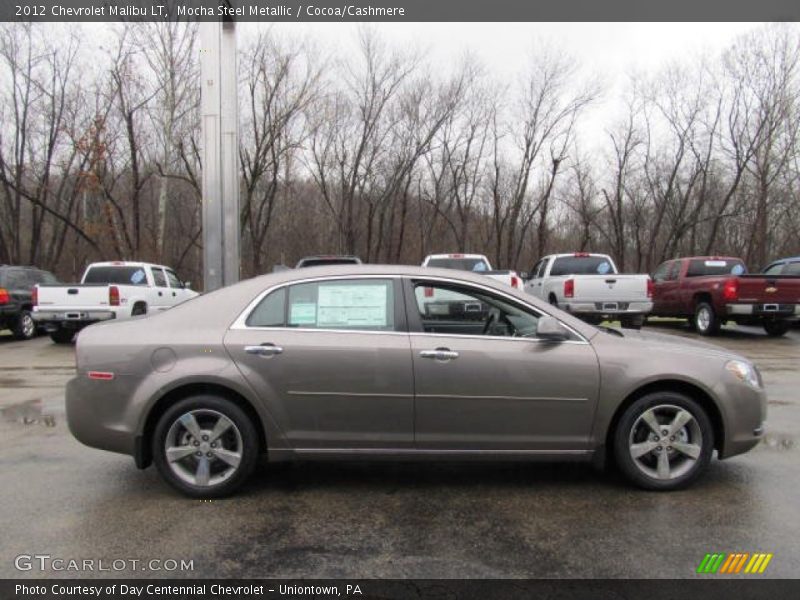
pixel 400 321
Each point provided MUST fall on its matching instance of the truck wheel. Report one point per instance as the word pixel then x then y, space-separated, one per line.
pixel 205 446
pixel 776 328
pixel 632 322
pixel 663 441
pixel 62 336
pixel 706 321
pixel 24 326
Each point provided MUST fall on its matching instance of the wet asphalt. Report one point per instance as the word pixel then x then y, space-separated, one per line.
pixel 387 520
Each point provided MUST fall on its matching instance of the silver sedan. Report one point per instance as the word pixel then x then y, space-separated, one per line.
pixel 389 361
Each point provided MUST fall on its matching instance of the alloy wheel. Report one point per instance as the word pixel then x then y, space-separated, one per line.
pixel 703 318
pixel 27 326
pixel 665 442
pixel 203 447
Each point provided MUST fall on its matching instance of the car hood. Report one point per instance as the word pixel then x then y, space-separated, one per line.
pixel 678 344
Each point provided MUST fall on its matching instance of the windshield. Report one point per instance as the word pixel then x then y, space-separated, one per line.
pixel 703 267
pixel 118 275
pixel 460 264
pixel 581 265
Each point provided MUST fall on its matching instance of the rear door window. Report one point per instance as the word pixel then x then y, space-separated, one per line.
pixel 364 304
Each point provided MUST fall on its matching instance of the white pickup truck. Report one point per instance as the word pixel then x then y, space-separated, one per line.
pixel 589 286
pixel 476 263
pixel 108 290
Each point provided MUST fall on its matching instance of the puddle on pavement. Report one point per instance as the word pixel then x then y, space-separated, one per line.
pixel 779 441
pixel 27 413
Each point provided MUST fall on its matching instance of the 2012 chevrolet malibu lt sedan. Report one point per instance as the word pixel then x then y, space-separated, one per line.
pixel 387 361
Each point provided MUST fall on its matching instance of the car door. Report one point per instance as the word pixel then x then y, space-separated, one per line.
pixel 161 291
pixel 534 284
pixel 331 359
pixel 177 291
pixel 484 381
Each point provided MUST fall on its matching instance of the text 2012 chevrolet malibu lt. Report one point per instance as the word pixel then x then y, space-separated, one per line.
pixel 368 361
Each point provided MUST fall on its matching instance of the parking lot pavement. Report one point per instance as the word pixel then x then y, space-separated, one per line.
pixel 389 519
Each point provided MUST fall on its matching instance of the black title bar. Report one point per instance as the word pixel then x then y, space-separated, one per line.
pixel 399 10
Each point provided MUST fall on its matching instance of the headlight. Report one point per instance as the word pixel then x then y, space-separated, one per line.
pixel 745 372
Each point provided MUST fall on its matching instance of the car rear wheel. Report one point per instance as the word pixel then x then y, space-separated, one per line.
pixel 776 328
pixel 205 446
pixel 62 336
pixel 24 327
pixel 706 321
pixel 663 441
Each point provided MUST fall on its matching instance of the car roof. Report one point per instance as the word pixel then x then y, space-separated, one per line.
pixel 126 263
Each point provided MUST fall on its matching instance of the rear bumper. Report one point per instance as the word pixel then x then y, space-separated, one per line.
pixel 71 319
pixel 609 308
pixel 96 415
pixel 777 310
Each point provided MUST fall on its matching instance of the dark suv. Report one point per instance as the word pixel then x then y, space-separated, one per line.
pixel 16 298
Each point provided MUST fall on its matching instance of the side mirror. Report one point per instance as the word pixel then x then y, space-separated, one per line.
pixel 187 285
pixel 550 328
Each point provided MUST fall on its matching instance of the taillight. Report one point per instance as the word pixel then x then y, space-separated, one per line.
pixel 569 288
pixel 4 297
pixel 429 292
pixel 515 281
pixel 650 287
pixel 35 296
pixel 730 290
pixel 113 296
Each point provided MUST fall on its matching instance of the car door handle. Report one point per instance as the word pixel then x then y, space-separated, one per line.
pixel 439 354
pixel 264 350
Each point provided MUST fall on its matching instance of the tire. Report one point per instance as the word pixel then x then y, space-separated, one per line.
pixel 634 434
pixel 185 474
pixel 62 336
pixel 705 319
pixel 553 300
pixel 24 326
pixel 632 322
pixel 776 328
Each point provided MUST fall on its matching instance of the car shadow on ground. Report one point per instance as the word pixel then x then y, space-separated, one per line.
pixel 682 327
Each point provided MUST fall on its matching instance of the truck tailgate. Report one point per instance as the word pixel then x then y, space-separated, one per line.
pixel 610 288
pixel 73 296
pixel 778 290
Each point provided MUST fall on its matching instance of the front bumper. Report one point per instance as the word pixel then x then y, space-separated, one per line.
pixel 609 308
pixel 744 414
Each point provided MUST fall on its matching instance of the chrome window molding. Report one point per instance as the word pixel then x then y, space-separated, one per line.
pixel 241 321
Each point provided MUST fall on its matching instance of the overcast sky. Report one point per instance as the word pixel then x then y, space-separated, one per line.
pixel 610 51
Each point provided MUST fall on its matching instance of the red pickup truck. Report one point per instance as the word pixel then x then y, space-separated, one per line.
pixel 710 290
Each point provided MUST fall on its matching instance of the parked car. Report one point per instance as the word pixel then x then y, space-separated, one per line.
pixel 589 286
pixel 108 290
pixel 710 290
pixel 345 362
pixel 328 259
pixel 475 263
pixel 783 266
pixel 16 298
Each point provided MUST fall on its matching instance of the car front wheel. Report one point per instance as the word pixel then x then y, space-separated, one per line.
pixel 663 441
pixel 205 446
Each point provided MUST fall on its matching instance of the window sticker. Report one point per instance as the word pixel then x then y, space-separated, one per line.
pixel 137 276
pixel 352 306
pixel 737 269
pixel 603 268
pixel 303 313
pixel 479 267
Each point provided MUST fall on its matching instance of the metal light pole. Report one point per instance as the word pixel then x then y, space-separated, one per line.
pixel 220 143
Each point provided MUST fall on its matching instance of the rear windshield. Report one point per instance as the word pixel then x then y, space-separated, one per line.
pixel 119 275
pixel 703 267
pixel 316 262
pixel 581 265
pixel 459 264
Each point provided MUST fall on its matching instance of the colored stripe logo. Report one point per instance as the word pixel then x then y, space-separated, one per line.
pixel 734 563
